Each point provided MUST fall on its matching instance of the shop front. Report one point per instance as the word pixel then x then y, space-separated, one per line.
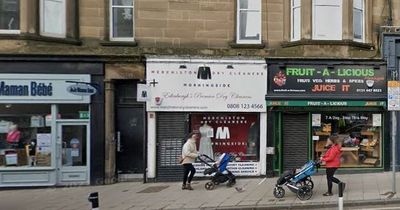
pixel 221 99
pixel 45 127
pixel 310 100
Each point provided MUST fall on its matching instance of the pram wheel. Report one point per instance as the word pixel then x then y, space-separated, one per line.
pixel 279 192
pixel 209 186
pixel 231 183
pixel 306 182
pixel 304 193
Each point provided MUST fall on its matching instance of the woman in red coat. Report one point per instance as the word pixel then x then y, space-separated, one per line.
pixel 332 162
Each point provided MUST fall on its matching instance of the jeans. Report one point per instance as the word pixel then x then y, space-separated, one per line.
pixel 188 167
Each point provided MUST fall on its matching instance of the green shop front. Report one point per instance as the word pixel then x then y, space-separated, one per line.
pixel 309 100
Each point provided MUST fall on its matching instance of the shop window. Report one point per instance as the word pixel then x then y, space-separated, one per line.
pixel 236 134
pixel 9 16
pixel 52 18
pixel 25 137
pixel 327 27
pixel 358 20
pixel 121 20
pixel 295 20
pixel 359 133
pixel 73 111
pixel 248 22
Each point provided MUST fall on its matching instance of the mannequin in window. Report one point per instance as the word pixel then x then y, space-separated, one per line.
pixel 207 132
pixel 13 136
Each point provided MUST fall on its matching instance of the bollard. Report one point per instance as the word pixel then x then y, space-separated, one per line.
pixel 94 199
pixel 340 207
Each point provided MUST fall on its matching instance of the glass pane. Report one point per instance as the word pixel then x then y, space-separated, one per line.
pixel 25 139
pixel 360 135
pixel 251 5
pixel 244 4
pixel 358 4
pixel 296 3
pixel 73 111
pixel 122 2
pixel 296 24
pixel 358 24
pixel 9 14
pixel 53 16
pixel 123 22
pixel 328 27
pixel 74 145
pixel 328 2
pixel 250 25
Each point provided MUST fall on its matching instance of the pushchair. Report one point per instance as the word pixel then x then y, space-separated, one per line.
pixel 220 173
pixel 298 182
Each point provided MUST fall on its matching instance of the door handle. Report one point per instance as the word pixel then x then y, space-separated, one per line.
pixel 119 141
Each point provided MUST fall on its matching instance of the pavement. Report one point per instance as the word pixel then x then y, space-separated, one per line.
pixel 367 189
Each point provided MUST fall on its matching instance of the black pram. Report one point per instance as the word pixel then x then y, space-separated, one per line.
pixel 221 173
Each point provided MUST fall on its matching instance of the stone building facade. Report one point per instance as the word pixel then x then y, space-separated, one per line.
pixel 110 40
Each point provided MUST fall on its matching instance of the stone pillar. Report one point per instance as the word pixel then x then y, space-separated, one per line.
pixel 306 19
pixel 110 141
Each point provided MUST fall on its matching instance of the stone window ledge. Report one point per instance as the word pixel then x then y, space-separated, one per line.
pixel 246 46
pixel 329 42
pixel 119 44
pixel 35 37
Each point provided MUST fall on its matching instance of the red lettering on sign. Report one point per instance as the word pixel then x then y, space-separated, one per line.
pixel 324 88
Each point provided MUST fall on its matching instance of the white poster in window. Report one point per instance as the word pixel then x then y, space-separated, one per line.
pixel 74 152
pixel 4 126
pixel 376 120
pixel 43 139
pixel 37 121
pixel 316 120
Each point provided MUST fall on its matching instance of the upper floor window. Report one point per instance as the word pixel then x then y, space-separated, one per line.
pixel 9 16
pixel 52 18
pixel 121 21
pixel 295 17
pixel 327 19
pixel 248 22
pixel 358 20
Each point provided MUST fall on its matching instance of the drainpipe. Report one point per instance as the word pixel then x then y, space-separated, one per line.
pixel 390 16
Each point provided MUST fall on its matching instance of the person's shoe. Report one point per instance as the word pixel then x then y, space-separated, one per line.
pixel 189 187
pixel 327 194
pixel 184 187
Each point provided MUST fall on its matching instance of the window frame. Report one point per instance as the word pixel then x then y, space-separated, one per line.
pixel 362 22
pixel 340 33
pixel 111 20
pixel 42 19
pixel 292 32
pixel 14 31
pixel 238 10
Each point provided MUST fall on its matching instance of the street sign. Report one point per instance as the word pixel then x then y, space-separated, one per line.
pixel 393 95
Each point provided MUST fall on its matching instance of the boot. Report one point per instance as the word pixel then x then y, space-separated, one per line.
pixel 189 187
pixel 184 187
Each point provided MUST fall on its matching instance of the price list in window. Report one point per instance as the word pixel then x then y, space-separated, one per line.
pixel 393 95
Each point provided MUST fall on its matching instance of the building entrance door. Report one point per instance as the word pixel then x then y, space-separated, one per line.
pixel 73 153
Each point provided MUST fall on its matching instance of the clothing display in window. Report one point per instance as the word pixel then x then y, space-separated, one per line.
pixel 204 72
pixel 207 132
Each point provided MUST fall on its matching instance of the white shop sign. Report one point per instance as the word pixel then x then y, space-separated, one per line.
pixel 41 88
pixel 206 85
pixel 237 168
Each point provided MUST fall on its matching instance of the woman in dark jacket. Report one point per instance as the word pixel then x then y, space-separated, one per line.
pixel 332 162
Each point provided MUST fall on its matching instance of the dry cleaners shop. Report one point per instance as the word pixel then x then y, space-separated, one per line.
pixel 221 99
pixel 45 129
